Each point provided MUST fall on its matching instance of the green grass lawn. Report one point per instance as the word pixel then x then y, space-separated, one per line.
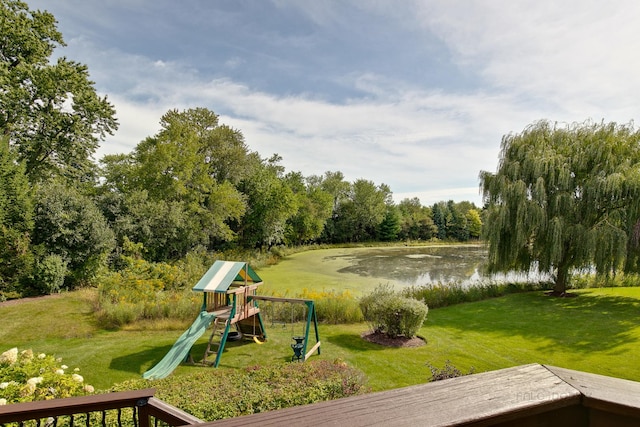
pixel 596 332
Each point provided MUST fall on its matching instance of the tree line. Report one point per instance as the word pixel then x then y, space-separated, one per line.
pixel 194 185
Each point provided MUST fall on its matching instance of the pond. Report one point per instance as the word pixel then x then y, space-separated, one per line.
pixel 421 265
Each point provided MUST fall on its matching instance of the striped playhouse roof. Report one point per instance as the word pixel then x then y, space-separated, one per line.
pixel 223 273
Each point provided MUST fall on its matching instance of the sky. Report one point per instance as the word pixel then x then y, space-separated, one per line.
pixel 415 94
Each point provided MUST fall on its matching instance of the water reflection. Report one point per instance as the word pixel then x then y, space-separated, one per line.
pixel 426 265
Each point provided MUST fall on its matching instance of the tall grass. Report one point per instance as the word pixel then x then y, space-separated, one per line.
pixel 144 290
pixel 332 307
pixel 625 280
pixel 443 295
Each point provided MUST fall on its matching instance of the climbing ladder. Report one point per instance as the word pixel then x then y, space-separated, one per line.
pixel 217 347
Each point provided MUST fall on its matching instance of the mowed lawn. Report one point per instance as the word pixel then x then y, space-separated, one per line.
pixel 598 331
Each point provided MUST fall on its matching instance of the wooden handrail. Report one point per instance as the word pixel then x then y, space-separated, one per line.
pixel 170 414
pixel 143 400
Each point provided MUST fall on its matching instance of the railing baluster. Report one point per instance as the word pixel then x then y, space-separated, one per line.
pixel 70 411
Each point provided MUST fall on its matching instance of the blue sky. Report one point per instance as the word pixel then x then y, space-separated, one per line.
pixel 413 94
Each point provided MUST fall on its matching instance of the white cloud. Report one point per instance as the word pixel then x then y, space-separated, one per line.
pixel 524 61
pixel 136 122
pixel 418 140
pixel 430 197
pixel 574 57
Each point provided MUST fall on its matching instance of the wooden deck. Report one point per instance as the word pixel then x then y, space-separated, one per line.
pixel 529 395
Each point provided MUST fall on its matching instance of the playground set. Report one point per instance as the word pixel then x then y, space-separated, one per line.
pixel 230 301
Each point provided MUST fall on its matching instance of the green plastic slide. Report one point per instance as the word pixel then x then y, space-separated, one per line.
pixel 181 348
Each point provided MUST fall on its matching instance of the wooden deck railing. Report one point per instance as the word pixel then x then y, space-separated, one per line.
pixel 528 395
pixel 137 408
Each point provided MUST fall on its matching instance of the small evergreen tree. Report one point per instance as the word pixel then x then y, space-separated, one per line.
pixel 390 225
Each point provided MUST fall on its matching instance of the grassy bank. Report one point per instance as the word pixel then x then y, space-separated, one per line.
pixel 595 332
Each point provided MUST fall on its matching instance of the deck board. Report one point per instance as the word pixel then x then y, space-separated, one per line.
pixel 486 398
pixel 604 393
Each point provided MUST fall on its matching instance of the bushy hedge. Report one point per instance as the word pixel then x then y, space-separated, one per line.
pixel 224 393
pixel 389 312
pixel 25 377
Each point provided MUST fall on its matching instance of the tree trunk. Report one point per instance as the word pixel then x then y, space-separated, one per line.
pixel 562 274
pixel 560 286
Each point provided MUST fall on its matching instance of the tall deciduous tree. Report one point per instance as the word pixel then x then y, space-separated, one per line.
pixel 184 177
pixel 270 204
pixel 50 112
pixel 70 226
pixel 358 217
pixel 416 222
pixel 16 223
pixel 314 209
pixel 564 197
pixel 474 223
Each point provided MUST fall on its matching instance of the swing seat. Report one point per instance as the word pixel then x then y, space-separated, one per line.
pixel 234 336
pixel 257 341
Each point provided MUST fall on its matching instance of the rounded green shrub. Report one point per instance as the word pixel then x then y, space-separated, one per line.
pixel 49 274
pixel 391 313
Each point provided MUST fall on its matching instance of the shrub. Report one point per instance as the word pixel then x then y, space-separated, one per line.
pixel 447 371
pixel 234 392
pixel 49 274
pixel 391 313
pixel 372 306
pixel 26 377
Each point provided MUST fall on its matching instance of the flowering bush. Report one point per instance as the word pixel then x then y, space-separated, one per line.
pixel 25 377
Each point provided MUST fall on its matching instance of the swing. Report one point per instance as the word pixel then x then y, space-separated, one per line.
pixel 255 337
pixel 298 346
pixel 301 352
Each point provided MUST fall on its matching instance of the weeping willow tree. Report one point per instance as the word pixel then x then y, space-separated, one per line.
pixel 565 198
